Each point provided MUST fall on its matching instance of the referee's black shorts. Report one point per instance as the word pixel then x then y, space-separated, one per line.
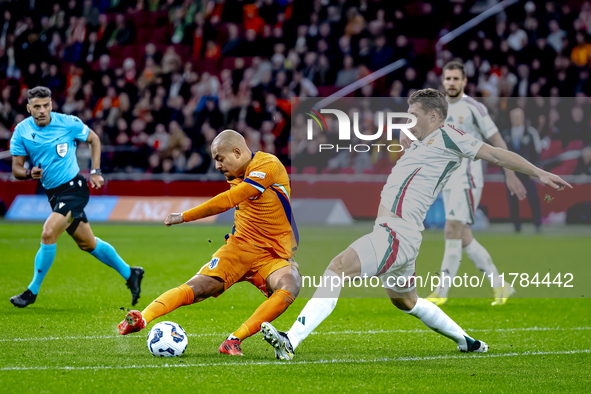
pixel 71 196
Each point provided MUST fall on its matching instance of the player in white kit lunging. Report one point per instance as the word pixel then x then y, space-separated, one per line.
pixel 390 251
pixel 462 193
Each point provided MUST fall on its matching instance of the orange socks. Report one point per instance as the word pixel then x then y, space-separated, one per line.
pixel 269 310
pixel 168 302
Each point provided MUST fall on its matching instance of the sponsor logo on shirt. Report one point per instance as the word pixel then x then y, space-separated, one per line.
pixel 258 174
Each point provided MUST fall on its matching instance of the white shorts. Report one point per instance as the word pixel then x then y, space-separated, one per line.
pixel 390 252
pixel 461 204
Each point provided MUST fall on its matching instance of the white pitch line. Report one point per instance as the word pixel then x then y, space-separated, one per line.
pixel 467 330
pixel 346 332
pixel 334 361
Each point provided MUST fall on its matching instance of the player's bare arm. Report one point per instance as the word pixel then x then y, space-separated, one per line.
pixel 218 204
pixel 513 183
pixel 21 173
pixel 96 178
pixel 513 161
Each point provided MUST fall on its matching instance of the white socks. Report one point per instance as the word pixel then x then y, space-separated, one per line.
pixel 438 321
pixel 325 300
pixel 451 262
pixel 482 260
pixel 317 309
pixel 453 257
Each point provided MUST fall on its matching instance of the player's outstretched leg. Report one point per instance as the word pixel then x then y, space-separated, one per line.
pixel 54 226
pixel 285 283
pixel 435 319
pixel 106 254
pixel 323 302
pixel 197 289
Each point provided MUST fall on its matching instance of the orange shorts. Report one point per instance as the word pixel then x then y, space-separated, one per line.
pixel 239 261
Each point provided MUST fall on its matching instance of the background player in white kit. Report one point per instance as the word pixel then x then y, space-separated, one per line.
pixel 462 193
pixel 391 249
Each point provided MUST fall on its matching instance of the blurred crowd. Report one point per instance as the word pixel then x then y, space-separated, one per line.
pixel 158 79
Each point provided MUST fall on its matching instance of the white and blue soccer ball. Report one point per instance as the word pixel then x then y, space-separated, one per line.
pixel 167 339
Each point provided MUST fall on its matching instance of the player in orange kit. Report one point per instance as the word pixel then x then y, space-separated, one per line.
pixel 259 250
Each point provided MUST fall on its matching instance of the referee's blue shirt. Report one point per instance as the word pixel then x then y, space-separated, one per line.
pixel 52 147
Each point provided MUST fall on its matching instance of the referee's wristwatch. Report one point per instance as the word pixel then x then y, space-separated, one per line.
pixel 96 171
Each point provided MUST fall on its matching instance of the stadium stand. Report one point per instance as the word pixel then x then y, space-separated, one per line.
pixel 158 79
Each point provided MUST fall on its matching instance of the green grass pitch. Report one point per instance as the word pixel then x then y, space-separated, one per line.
pixel 68 342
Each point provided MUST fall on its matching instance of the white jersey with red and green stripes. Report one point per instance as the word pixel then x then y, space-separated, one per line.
pixel 472 117
pixel 424 169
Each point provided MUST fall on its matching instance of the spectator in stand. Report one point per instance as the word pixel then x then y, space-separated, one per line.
pixel 123 33
pixel 7 115
pixel 507 82
pixel 525 141
pixel 211 114
pixel 91 13
pixel 288 51
pixel 576 128
pixel 582 51
pixel 517 39
pixel 355 22
pixel 91 49
pixel 381 55
pixel 232 45
pixel 556 36
pixel 522 81
pixel 348 74
pixel 584 163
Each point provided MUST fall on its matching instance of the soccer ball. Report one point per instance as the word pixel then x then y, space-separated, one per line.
pixel 167 339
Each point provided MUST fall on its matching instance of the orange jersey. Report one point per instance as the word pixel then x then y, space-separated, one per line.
pixel 266 219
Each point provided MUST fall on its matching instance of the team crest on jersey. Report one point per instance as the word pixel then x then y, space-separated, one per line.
pixel 213 263
pixel 461 120
pixel 62 149
pixel 430 141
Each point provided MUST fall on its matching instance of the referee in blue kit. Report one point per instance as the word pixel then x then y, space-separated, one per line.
pixel 49 140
